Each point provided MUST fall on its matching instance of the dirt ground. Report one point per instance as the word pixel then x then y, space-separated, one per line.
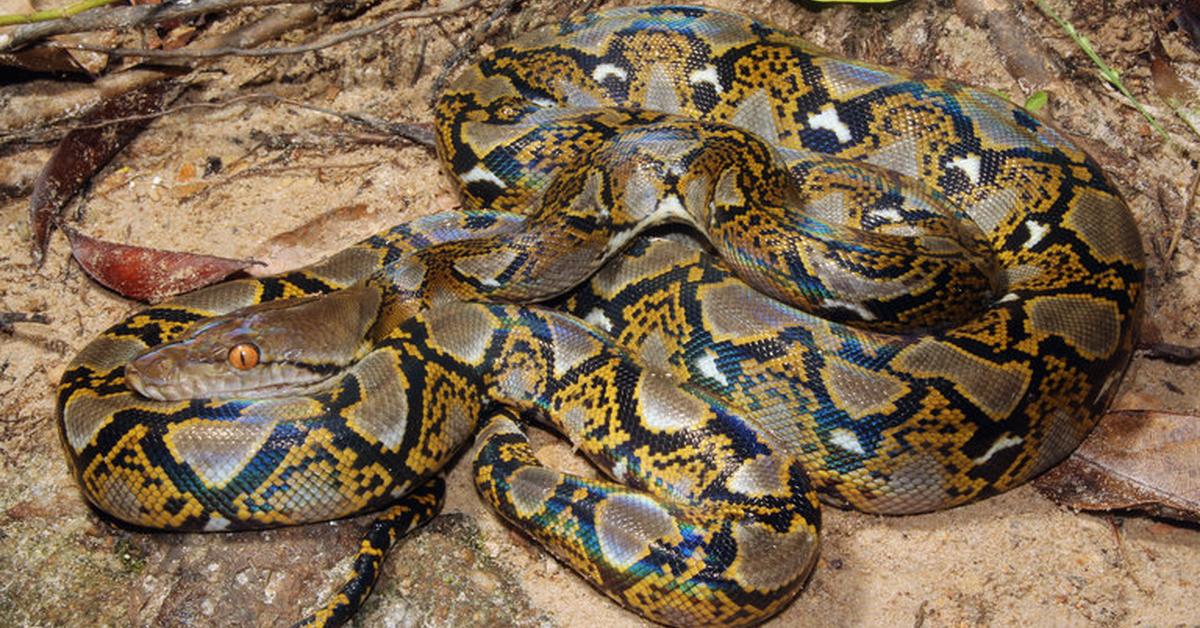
pixel 1016 559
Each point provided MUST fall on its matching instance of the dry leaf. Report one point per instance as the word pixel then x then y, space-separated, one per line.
pixel 49 60
pixel 1166 81
pixel 1139 460
pixel 148 274
pixel 84 151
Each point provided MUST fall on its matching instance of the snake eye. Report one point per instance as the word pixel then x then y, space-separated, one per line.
pixel 243 356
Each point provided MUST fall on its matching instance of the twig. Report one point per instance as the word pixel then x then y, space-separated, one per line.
pixel 120 18
pixel 8 318
pixel 414 132
pixel 47 135
pixel 418 133
pixel 1173 353
pixel 26 111
pixel 52 14
pixel 231 51
pixel 1183 220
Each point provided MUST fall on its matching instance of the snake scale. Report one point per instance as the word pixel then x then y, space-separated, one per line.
pixel 963 286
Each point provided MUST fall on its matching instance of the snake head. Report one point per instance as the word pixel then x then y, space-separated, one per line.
pixel 270 349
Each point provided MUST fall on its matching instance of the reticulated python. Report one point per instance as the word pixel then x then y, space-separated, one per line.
pixel 968 285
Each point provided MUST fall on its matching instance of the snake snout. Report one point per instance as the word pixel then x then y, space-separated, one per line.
pixel 148 374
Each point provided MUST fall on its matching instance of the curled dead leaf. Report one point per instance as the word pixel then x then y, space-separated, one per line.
pixel 85 150
pixel 147 274
pixel 1133 460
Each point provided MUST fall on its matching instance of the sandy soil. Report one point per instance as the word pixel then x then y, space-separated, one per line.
pixel 1013 560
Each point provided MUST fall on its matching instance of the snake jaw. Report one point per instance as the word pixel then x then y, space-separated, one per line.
pixel 170 373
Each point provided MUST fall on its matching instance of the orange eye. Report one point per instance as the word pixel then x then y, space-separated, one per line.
pixel 243 356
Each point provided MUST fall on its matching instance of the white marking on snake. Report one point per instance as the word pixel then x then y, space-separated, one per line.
pixel 479 173
pixel 216 523
pixel 707 364
pixel 1002 443
pixel 828 119
pixel 846 439
pixel 759 477
pixel 605 70
pixel 706 74
pixel 970 166
pixel 530 488
pixel 1012 296
pixel 671 207
pixel 863 313
pixel 1037 231
pixel 596 317
pixel 575 95
pixel 620 469
pixel 889 215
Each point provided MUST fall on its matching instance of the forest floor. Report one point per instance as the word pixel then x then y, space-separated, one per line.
pixel 297 185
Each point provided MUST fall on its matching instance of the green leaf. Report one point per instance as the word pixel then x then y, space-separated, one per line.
pixel 1037 101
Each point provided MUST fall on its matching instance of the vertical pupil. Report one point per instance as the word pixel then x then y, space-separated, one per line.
pixel 243 356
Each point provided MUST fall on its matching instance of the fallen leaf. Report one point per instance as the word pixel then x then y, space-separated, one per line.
pixel 147 274
pixel 84 151
pixel 1166 80
pixel 93 62
pixel 1133 460
pixel 46 60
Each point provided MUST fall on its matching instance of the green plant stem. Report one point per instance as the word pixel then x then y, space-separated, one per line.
pixel 52 14
pixel 1111 76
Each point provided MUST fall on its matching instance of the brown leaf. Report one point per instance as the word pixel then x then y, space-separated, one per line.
pixel 148 274
pixel 1166 81
pixel 42 59
pixel 84 151
pixel 1139 460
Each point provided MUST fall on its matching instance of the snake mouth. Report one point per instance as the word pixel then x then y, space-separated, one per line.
pixel 172 386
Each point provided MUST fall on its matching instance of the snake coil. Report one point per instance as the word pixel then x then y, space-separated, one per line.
pixel 965 285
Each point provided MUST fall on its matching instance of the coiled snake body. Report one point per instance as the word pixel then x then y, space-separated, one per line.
pixel 965 282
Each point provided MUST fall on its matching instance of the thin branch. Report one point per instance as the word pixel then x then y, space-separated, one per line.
pixel 269 52
pixel 29 110
pixel 1183 220
pixel 417 133
pixel 121 18
pixel 1173 353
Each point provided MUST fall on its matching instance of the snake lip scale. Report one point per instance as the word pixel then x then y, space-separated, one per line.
pixel 898 296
